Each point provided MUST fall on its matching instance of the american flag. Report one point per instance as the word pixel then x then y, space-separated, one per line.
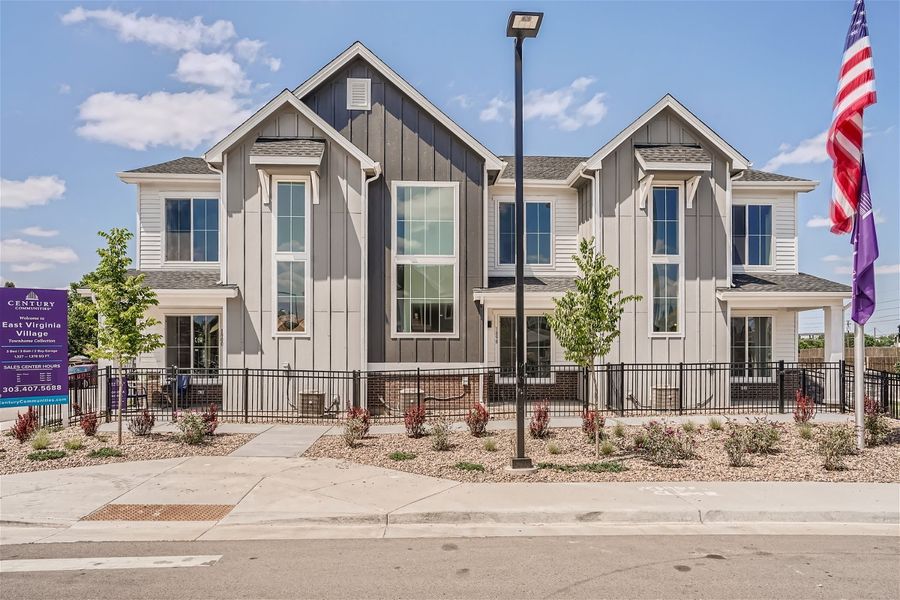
pixel 856 91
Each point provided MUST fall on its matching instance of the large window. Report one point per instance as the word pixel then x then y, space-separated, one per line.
pixel 751 346
pixel 751 234
pixel 291 216
pixel 665 260
pixel 537 347
pixel 538 233
pixel 425 258
pixel 193 341
pixel 192 229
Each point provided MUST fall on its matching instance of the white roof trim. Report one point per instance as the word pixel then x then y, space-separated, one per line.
pixel 738 160
pixel 532 182
pixel 181 177
pixel 214 154
pixel 494 163
pixel 262 159
pixel 224 292
pixel 794 186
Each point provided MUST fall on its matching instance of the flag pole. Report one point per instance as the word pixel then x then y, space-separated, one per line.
pixel 859 387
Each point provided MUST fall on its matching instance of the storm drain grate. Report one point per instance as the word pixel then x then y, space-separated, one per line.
pixel 160 512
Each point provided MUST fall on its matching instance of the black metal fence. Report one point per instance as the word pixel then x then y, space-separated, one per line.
pixel 269 395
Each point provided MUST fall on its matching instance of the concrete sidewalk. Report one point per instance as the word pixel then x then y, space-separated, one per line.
pixel 287 497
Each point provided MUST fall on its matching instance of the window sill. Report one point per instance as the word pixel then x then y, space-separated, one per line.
pixel 420 336
pixel 675 335
pixel 302 335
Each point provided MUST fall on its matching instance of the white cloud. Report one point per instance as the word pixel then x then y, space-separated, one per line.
pixel 163 32
pixel 273 63
pixel 461 100
pixel 64 88
pixel 834 258
pixel 566 106
pixel 34 191
pixel 810 150
pixel 28 257
pixel 184 120
pixel 216 70
pixel 819 221
pixel 248 49
pixel 38 231
pixel 893 269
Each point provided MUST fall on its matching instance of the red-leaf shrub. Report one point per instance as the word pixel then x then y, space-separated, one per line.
pixel 804 408
pixel 25 425
pixel 540 420
pixel 211 418
pixel 589 422
pixel 363 415
pixel 477 419
pixel 142 423
pixel 875 423
pixel 89 424
pixel 414 419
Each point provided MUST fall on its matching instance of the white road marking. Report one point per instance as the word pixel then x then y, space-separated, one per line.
pixel 107 562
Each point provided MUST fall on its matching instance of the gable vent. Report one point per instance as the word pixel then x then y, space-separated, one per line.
pixel 359 94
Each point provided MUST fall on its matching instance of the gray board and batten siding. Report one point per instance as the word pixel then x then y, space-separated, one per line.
pixel 411 146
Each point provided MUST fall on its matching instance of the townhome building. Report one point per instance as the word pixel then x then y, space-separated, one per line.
pixel 350 224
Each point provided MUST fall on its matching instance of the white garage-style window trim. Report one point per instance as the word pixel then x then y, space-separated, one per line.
pixel 291 265
pixel 666 251
pixel 752 238
pixel 539 232
pixel 424 259
pixel 190 231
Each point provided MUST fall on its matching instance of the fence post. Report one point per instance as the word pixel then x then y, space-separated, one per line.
pixel 356 403
pixel 842 378
pixel 884 391
pixel 108 391
pixel 620 401
pixel 246 382
pixel 803 381
pixel 418 388
pixel 781 386
pixel 680 388
pixel 587 389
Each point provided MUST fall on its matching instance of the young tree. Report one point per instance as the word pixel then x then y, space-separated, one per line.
pixel 82 319
pixel 122 301
pixel 586 319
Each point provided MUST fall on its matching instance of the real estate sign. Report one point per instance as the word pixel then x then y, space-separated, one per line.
pixel 33 347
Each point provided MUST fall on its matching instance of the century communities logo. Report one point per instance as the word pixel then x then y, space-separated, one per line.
pixel 31 301
pixel 31 296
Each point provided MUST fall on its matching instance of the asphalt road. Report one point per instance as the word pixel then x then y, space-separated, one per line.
pixel 724 566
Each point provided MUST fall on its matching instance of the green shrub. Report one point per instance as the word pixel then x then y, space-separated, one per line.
pixel 762 436
pixel 834 444
pixel 737 445
pixel 607 448
pixel 597 467
pixel 619 430
pixel 74 444
pixel 41 440
pixel 354 430
pixel 664 446
pixel 400 455
pixel 105 453
pixel 715 424
pixel 193 427
pixel 553 448
pixel 874 422
pixel 490 444
pixel 469 466
pixel 805 430
pixel 42 455
pixel 440 435
pixel 689 427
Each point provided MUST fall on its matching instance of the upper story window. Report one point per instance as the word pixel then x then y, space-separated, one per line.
pixel 192 229
pixel 538 233
pixel 291 256
pixel 666 262
pixel 751 235
pixel 425 261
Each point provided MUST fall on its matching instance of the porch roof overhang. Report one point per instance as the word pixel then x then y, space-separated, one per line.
pixel 539 291
pixel 187 284
pixel 287 151
pixel 673 157
pixel 782 290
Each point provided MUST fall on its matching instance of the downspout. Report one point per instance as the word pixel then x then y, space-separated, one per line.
pixel 728 233
pixel 595 201
pixel 484 278
pixel 223 249
pixel 364 312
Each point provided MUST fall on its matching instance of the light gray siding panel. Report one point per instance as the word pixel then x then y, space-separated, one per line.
pixel 410 145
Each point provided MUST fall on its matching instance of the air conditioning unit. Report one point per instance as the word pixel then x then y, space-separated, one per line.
pixel 666 398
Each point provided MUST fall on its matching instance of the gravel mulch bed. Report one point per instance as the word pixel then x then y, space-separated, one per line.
pixel 795 459
pixel 13 455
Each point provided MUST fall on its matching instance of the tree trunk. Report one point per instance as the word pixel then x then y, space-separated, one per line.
pixel 595 391
pixel 121 397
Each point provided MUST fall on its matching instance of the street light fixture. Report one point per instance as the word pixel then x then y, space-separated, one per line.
pixel 521 25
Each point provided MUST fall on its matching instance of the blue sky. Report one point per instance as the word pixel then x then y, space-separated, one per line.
pixel 89 90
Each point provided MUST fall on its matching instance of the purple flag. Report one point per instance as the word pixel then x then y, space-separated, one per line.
pixel 865 251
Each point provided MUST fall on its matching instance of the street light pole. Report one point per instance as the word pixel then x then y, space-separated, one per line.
pixel 520 26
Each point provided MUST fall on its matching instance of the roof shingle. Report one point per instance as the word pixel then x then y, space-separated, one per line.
pixel 504 285
pixel 784 282
pixel 186 165
pixel 673 153
pixel 303 147
pixel 542 167
pixel 754 175
pixel 181 280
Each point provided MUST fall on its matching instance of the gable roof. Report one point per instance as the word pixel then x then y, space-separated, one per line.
pixel 288 146
pixel 552 168
pixel 738 160
pixel 186 165
pixel 214 154
pixel 672 153
pixel 358 49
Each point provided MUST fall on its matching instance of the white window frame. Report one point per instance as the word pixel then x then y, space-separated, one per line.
pixel 668 259
pixel 745 268
pixel 533 200
pixel 405 259
pixel 190 196
pixel 196 312
pixel 303 257
pixel 497 315
pixel 749 315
